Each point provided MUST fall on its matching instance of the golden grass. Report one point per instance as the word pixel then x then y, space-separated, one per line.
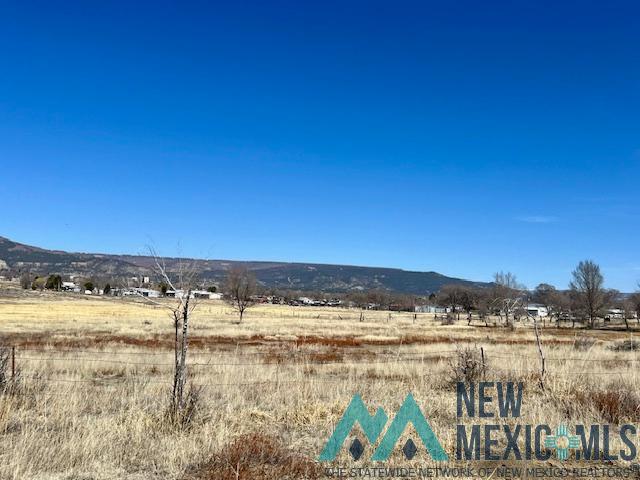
pixel 96 377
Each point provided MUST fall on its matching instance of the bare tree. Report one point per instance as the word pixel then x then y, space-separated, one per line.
pixel 182 283
pixel 379 299
pixel 550 298
pixel 240 287
pixel 484 304
pixel 469 301
pixel 634 304
pixel 451 296
pixel 25 281
pixel 587 287
pixel 625 304
pixel 506 295
pixel 616 300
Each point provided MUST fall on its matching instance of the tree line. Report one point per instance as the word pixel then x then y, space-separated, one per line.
pixel 585 301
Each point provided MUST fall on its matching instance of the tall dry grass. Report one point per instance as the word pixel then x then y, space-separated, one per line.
pixel 96 410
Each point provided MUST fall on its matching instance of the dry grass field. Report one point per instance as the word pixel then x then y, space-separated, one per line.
pixel 95 373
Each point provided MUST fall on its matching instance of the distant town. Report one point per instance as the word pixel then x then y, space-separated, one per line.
pixel 504 299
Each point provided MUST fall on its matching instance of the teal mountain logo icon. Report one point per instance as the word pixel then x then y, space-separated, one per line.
pixel 373 425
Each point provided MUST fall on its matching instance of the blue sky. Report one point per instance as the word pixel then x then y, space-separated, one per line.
pixel 460 137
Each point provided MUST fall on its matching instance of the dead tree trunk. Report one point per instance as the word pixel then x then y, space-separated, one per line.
pixel 181 345
pixel 176 370
pixel 541 353
pixel 182 403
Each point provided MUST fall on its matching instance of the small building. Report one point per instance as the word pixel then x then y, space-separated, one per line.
pixel 614 314
pixel 68 286
pixel 205 294
pixel 141 292
pixel 537 310
pixel 201 294
pixel 147 292
pixel 431 309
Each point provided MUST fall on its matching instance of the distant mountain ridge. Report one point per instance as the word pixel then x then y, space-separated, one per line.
pixel 17 257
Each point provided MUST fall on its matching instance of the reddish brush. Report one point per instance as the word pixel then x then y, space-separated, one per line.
pixel 255 456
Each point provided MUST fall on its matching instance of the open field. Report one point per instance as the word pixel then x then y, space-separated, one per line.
pixel 95 375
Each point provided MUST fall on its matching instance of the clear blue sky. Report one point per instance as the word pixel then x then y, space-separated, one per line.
pixel 460 137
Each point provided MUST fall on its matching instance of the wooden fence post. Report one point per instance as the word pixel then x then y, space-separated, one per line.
pixel 13 363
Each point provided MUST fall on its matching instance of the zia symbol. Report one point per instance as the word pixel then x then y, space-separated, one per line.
pixel 562 441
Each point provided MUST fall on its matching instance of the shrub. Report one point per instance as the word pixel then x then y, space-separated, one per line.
pixel 256 455
pixel 626 346
pixel 25 281
pixel 467 366
pixel 53 282
pixel 448 319
pixel 583 342
pixel 616 402
pixel 39 283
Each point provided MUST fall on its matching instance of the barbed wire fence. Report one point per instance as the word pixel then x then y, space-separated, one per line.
pixel 214 363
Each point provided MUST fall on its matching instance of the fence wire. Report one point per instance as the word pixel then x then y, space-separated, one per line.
pixel 285 360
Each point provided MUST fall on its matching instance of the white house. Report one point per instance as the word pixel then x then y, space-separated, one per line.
pixel 537 310
pixel 614 314
pixel 68 286
pixel 431 309
pixel 206 294
pixel 195 294
pixel 141 292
